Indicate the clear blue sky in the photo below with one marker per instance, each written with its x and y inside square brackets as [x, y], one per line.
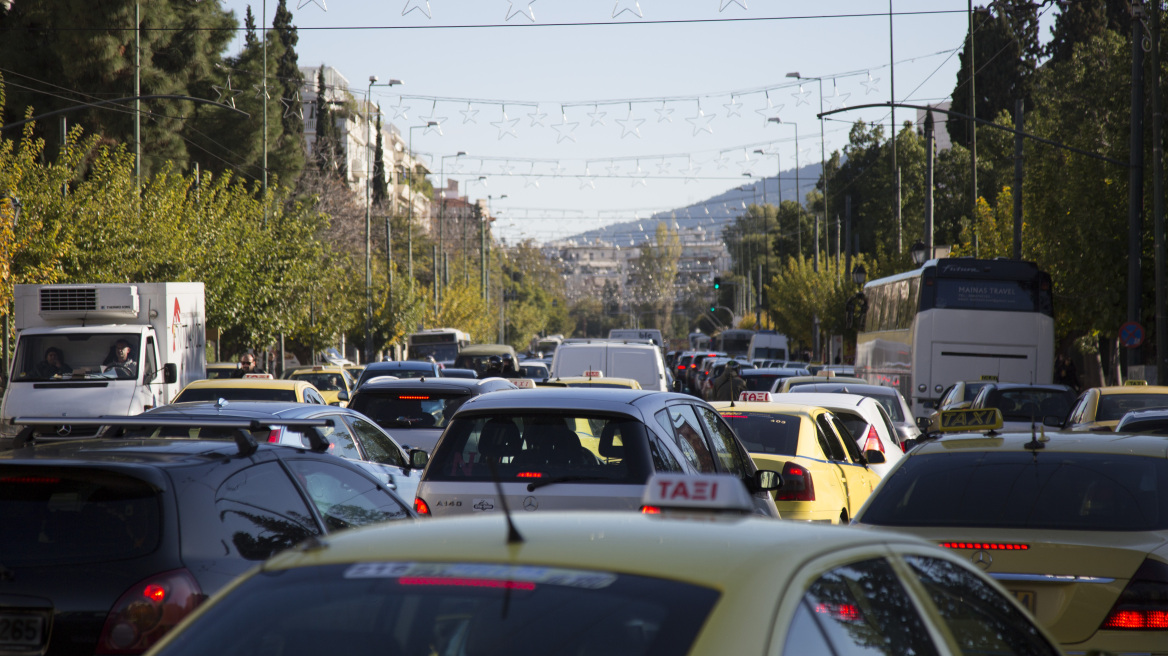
[684, 88]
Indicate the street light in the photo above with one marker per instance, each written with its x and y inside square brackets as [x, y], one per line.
[410, 220]
[859, 274]
[368, 211]
[798, 198]
[822, 156]
[919, 252]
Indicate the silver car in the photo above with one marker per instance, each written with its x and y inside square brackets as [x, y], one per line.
[889, 397]
[579, 448]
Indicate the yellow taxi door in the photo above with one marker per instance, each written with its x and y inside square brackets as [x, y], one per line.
[858, 480]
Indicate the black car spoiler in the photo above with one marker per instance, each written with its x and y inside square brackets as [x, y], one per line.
[240, 427]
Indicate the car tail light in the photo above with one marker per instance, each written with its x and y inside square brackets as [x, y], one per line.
[421, 507]
[797, 484]
[146, 611]
[872, 442]
[651, 510]
[275, 434]
[1143, 605]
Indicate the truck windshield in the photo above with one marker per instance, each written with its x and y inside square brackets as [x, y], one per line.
[63, 356]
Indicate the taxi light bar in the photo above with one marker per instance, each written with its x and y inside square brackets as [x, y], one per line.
[986, 546]
[757, 397]
[522, 383]
[651, 510]
[466, 583]
[722, 492]
[593, 373]
[969, 421]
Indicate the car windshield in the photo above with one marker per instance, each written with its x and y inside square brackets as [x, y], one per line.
[456, 609]
[764, 432]
[402, 372]
[1042, 490]
[75, 355]
[408, 409]
[1114, 406]
[531, 447]
[235, 394]
[324, 382]
[75, 516]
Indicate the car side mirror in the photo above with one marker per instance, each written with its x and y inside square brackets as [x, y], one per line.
[875, 457]
[342, 396]
[418, 459]
[923, 424]
[170, 373]
[767, 479]
[1054, 421]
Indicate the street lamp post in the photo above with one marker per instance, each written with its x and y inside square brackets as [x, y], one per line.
[14, 204]
[483, 248]
[410, 220]
[798, 198]
[766, 224]
[369, 155]
[822, 159]
[442, 203]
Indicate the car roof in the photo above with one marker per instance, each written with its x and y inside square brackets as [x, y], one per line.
[831, 386]
[1052, 387]
[487, 349]
[318, 368]
[246, 409]
[645, 545]
[1092, 442]
[825, 399]
[559, 398]
[804, 409]
[418, 365]
[157, 452]
[599, 380]
[1133, 389]
[470, 385]
[261, 383]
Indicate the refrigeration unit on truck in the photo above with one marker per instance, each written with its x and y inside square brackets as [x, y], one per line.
[72, 360]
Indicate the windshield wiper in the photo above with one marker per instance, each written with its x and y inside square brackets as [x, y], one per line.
[531, 487]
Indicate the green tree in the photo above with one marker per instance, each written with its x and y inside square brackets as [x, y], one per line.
[655, 275]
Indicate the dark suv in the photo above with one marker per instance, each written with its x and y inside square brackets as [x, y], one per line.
[107, 543]
[416, 411]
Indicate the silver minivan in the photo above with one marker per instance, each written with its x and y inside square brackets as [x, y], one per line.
[579, 449]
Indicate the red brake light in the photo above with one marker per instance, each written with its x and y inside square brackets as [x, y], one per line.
[145, 612]
[1137, 619]
[529, 475]
[797, 484]
[1143, 604]
[650, 510]
[415, 398]
[872, 442]
[842, 612]
[421, 507]
[31, 480]
[986, 546]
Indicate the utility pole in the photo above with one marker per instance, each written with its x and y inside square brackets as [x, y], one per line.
[1136, 173]
[1018, 179]
[1158, 203]
[929, 148]
[972, 134]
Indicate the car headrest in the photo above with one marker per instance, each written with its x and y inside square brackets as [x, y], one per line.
[612, 445]
[499, 439]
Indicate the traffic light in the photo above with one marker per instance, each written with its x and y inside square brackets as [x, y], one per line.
[717, 282]
[713, 308]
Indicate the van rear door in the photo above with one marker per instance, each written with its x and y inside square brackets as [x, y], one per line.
[643, 364]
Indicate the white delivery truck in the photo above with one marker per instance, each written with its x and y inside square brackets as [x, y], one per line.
[101, 349]
[622, 359]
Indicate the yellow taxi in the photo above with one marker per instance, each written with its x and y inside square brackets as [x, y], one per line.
[597, 379]
[688, 580]
[334, 383]
[354, 370]
[957, 396]
[1100, 408]
[252, 387]
[784, 385]
[825, 476]
[1075, 526]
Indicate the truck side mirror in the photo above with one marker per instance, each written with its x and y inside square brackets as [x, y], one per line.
[170, 373]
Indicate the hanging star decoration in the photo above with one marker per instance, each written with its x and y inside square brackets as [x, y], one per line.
[304, 3]
[565, 129]
[870, 84]
[420, 5]
[597, 116]
[701, 121]
[748, 162]
[691, 171]
[663, 114]
[227, 91]
[437, 120]
[506, 125]
[633, 7]
[613, 169]
[630, 125]
[293, 106]
[468, 114]
[530, 180]
[640, 177]
[586, 179]
[801, 97]
[399, 110]
[733, 108]
[558, 169]
[722, 162]
[663, 167]
[537, 117]
[767, 112]
[261, 92]
[513, 11]
[836, 100]
[726, 3]
[507, 168]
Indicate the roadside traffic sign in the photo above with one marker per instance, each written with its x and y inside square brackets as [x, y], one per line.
[1131, 334]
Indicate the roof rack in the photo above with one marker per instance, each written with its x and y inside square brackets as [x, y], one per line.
[241, 427]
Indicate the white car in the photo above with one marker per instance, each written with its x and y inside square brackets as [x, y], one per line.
[864, 416]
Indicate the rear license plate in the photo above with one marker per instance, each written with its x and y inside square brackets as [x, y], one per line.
[20, 631]
[1026, 598]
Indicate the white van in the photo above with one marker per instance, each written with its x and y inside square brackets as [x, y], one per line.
[651, 334]
[642, 362]
[767, 345]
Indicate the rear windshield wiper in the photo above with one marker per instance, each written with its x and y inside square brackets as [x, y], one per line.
[531, 487]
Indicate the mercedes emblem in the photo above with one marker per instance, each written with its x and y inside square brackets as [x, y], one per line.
[982, 559]
[64, 430]
[530, 504]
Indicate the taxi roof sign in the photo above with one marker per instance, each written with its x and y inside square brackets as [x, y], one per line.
[593, 373]
[686, 492]
[266, 376]
[990, 377]
[1134, 382]
[522, 383]
[983, 419]
[758, 397]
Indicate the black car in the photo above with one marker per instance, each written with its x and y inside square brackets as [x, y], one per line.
[108, 543]
[1022, 405]
[399, 369]
[762, 380]
[416, 411]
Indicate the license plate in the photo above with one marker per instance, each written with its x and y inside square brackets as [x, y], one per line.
[1026, 598]
[19, 630]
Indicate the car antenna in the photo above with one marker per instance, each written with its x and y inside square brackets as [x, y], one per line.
[513, 536]
[1036, 442]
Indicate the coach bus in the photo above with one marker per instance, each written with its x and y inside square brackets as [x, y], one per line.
[956, 319]
[441, 343]
[735, 342]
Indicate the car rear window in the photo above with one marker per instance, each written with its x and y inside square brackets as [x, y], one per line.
[324, 382]
[408, 409]
[235, 394]
[419, 609]
[764, 432]
[69, 515]
[1058, 491]
[542, 446]
[1114, 406]
[1030, 404]
[760, 382]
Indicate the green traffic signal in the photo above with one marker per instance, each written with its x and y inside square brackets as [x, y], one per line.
[717, 283]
